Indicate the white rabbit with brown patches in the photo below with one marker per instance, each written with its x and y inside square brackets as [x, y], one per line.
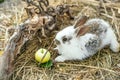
[84, 39]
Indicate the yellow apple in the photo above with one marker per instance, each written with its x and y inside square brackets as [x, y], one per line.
[1, 52]
[39, 55]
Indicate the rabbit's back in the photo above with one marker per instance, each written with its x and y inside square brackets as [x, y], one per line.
[97, 26]
[104, 32]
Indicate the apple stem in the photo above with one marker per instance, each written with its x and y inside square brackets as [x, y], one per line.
[42, 51]
[47, 51]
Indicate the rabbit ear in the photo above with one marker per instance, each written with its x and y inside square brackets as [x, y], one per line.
[80, 21]
[83, 30]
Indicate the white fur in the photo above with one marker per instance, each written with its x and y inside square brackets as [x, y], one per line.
[76, 49]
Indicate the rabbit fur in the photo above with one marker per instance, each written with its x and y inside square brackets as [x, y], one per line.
[76, 42]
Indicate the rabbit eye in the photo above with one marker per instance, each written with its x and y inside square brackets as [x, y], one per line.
[64, 39]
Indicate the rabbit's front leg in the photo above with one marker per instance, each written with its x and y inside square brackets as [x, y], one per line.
[60, 59]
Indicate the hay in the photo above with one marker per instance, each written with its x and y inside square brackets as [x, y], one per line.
[105, 65]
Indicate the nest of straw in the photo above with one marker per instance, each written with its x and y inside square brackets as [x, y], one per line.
[105, 65]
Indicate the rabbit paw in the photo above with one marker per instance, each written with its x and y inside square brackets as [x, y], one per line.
[60, 59]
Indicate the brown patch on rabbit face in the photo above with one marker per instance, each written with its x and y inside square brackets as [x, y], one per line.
[66, 39]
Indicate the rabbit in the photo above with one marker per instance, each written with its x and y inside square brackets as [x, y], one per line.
[84, 39]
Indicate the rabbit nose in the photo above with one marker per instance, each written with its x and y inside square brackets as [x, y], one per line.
[56, 48]
[57, 42]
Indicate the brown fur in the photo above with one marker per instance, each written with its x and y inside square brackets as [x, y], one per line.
[82, 20]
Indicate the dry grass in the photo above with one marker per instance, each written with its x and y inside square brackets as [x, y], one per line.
[105, 65]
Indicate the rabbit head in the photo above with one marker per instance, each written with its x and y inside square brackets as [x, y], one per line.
[65, 35]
